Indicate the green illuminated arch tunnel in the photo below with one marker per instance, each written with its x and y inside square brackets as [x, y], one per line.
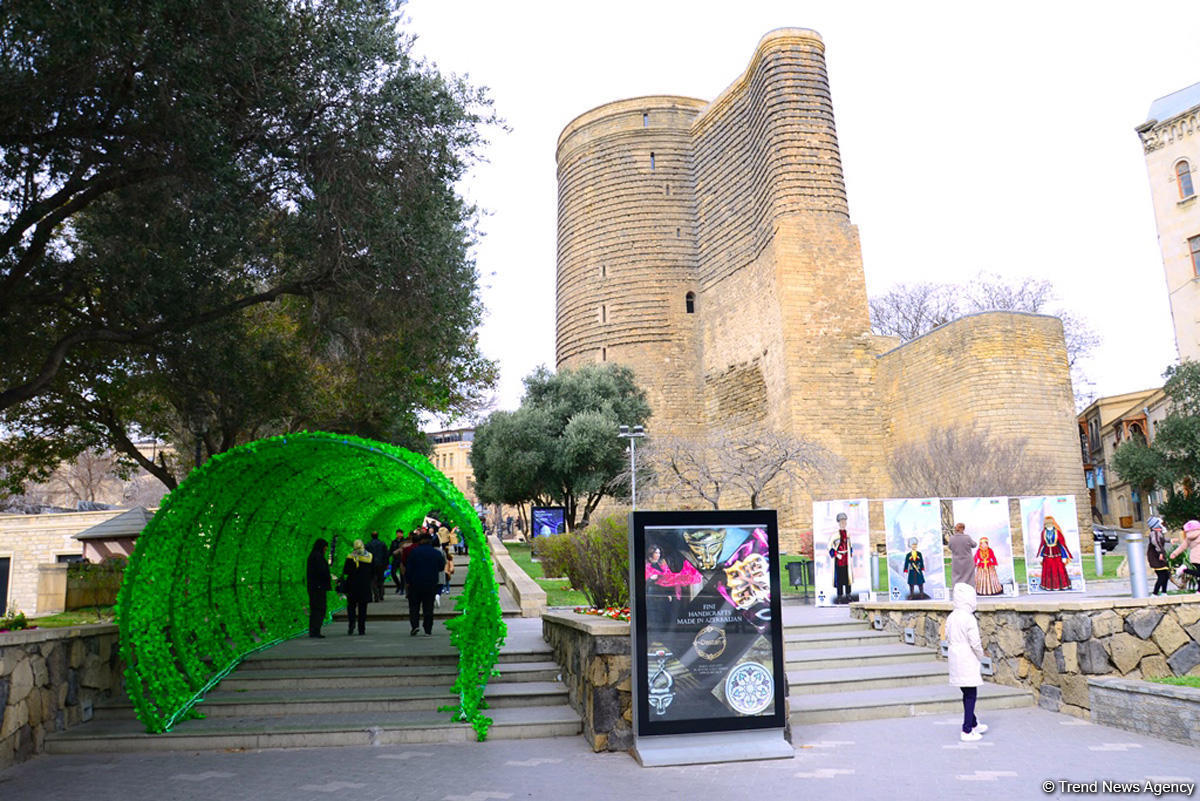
[220, 571]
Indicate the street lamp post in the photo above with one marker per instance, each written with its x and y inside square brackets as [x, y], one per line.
[633, 435]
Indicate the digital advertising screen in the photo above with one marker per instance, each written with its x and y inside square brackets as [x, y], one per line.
[547, 520]
[706, 625]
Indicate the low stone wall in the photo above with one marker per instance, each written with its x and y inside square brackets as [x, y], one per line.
[1157, 710]
[528, 594]
[49, 680]
[1053, 647]
[594, 655]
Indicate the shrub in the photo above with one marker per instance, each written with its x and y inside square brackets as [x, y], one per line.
[15, 621]
[595, 559]
[551, 553]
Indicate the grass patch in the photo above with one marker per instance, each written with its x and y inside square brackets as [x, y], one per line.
[1181, 681]
[558, 590]
[76, 617]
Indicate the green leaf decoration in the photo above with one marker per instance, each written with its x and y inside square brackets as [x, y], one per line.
[219, 573]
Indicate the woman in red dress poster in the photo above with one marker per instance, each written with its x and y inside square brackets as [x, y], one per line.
[1054, 555]
[986, 580]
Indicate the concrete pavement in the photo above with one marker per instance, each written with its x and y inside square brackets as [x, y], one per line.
[897, 758]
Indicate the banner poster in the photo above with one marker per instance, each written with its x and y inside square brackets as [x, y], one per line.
[1051, 533]
[915, 565]
[547, 520]
[986, 521]
[706, 622]
[841, 547]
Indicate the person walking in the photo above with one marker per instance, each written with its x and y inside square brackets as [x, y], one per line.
[966, 657]
[394, 552]
[379, 561]
[423, 565]
[359, 574]
[962, 558]
[319, 584]
[1191, 544]
[1156, 554]
[449, 569]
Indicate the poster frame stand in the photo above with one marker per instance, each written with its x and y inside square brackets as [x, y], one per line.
[710, 740]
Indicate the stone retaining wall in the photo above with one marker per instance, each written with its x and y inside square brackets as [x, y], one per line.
[1156, 710]
[49, 680]
[527, 593]
[1052, 648]
[594, 655]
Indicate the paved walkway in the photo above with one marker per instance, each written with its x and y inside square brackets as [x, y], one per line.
[918, 758]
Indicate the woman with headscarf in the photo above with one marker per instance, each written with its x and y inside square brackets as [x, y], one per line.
[360, 576]
[1054, 555]
[318, 586]
[1156, 553]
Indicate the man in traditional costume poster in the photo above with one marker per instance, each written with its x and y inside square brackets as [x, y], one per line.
[841, 551]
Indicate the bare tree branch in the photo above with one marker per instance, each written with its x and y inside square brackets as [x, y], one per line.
[961, 462]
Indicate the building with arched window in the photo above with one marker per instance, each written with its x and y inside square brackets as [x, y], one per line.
[1171, 140]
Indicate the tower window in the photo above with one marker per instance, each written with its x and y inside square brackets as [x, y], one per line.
[1194, 250]
[676, 233]
[604, 354]
[603, 271]
[603, 313]
[689, 301]
[1183, 172]
[645, 120]
[652, 161]
[668, 188]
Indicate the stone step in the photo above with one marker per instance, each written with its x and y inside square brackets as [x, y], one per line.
[852, 678]
[898, 702]
[821, 627]
[838, 639]
[304, 679]
[277, 659]
[312, 731]
[819, 658]
[383, 700]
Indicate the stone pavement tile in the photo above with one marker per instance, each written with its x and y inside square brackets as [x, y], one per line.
[901, 758]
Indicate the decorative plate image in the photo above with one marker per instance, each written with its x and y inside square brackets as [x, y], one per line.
[749, 688]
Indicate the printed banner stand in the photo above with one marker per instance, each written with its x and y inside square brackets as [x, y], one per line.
[707, 638]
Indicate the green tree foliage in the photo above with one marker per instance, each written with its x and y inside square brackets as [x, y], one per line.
[1172, 461]
[561, 445]
[167, 167]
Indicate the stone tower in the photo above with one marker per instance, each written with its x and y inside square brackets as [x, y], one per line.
[709, 247]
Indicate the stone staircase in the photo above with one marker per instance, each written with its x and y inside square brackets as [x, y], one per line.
[381, 688]
[840, 669]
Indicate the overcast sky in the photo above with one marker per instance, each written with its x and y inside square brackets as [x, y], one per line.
[974, 136]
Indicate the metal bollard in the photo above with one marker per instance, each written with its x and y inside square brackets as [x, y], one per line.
[1098, 551]
[874, 571]
[1135, 554]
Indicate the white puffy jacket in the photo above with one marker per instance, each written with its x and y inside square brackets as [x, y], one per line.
[962, 633]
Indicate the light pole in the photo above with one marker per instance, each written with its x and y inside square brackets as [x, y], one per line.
[633, 435]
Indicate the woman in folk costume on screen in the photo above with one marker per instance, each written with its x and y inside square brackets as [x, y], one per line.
[986, 580]
[1054, 555]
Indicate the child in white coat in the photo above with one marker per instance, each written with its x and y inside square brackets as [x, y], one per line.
[966, 654]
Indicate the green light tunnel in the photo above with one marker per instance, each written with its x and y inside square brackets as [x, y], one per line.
[219, 573]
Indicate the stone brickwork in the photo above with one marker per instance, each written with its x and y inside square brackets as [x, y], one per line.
[49, 680]
[32, 540]
[1156, 710]
[595, 659]
[1053, 648]
[741, 204]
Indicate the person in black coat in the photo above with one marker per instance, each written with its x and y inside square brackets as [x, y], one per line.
[423, 565]
[318, 585]
[359, 574]
[379, 561]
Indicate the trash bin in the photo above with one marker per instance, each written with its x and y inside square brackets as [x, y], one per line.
[796, 573]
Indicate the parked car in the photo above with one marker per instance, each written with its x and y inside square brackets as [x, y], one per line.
[1106, 538]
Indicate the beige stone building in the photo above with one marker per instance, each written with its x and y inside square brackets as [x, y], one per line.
[1171, 140]
[452, 455]
[708, 245]
[1103, 425]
